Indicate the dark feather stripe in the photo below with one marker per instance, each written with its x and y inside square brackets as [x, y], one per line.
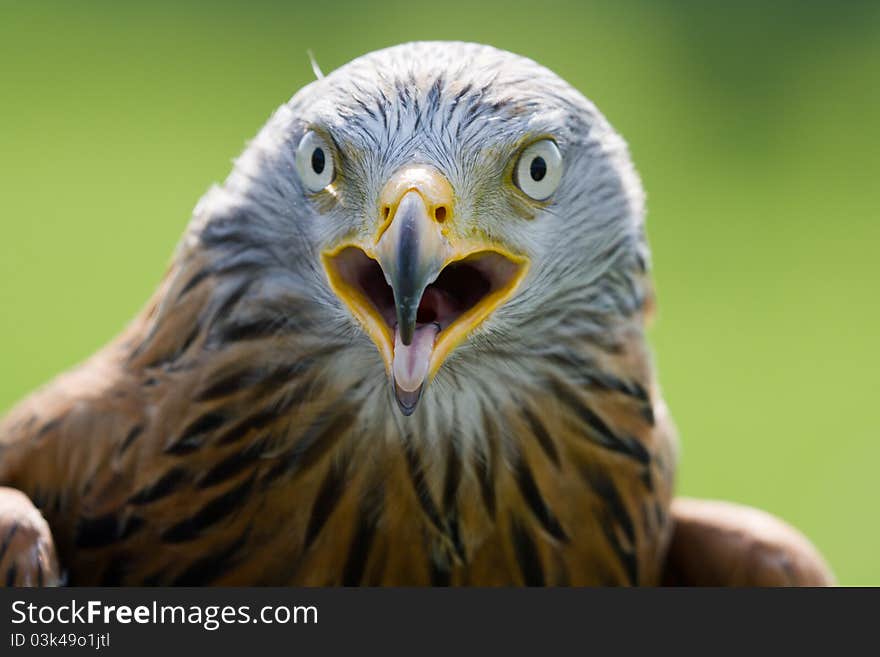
[208, 569]
[450, 499]
[593, 378]
[614, 515]
[647, 412]
[210, 514]
[257, 328]
[189, 341]
[49, 426]
[245, 260]
[525, 481]
[233, 383]
[254, 377]
[168, 359]
[439, 571]
[104, 530]
[599, 433]
[485, 466]
[420, 486]
[132, 435]
[647, 478]
[599, 481]
[609, 382]
[526, 554]
[194, 280]
[661, 517]
[633, 389]
[318, 439]
[440, 559]
[232, 229]
[235, 463]
[452, 479]
[627, 558]
[327, 499]
[358, 553]
[168, 483]
[540, 432]
[362, 541]
[7, 539]
[195, 434]
[433, 99]
[305, 388]
[255, 422]
[234, 297]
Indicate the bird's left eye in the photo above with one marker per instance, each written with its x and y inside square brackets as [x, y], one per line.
[539, 169]
[314, 162]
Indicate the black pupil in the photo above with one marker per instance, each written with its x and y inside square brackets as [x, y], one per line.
[538, 169]
[318, 160]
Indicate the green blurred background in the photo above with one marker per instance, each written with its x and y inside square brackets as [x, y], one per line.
[755, 126]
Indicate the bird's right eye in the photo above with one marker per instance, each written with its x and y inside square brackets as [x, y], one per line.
[314, 162]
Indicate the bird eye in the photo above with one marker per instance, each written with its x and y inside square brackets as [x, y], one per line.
[539, 169]
[314, 162]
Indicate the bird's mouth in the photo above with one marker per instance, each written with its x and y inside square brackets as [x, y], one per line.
[454, 301]
[423, 281]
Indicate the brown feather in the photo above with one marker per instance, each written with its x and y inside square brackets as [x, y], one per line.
[141, 484]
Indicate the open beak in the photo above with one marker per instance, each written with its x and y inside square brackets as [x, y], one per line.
[417, 287]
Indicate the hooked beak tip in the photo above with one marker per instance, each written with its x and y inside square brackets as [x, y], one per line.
[407, 401]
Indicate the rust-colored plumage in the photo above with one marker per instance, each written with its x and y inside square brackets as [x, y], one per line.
[216, 483]
[242, 430]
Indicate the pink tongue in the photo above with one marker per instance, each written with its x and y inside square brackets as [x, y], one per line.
[410, 366]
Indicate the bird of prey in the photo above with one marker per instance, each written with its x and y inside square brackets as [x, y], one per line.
[402, 344]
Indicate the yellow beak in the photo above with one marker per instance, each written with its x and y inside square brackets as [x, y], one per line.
[418, 287]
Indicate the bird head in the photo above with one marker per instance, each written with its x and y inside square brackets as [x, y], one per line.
[455, 215]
